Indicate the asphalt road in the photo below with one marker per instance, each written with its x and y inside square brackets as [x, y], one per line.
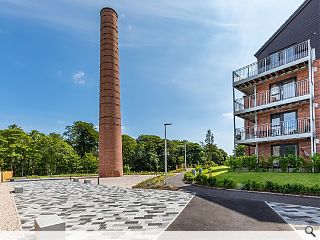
[225, 210]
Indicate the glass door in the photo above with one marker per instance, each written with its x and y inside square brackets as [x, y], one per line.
[289, 123]
[274, 93]
[288, 89]
[275, 125]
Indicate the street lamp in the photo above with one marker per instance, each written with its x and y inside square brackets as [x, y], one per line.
[185, 155]
[165, 151]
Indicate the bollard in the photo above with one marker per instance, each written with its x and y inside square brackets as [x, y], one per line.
[18, 189]
[98, 180]
[87, 181]
[200, 171]
[194, 172]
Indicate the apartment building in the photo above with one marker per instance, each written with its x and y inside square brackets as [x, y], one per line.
[280, 92]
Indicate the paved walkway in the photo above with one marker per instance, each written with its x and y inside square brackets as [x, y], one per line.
[126, 181]
[224, 210]
[9, 220]
[298, 216]
[98, 207]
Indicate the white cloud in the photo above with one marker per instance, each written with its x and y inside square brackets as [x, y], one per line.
[228, 115]
[79, 77]
[61, 122]
[130, 28]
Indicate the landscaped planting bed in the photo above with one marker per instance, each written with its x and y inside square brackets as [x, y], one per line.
[287, 183]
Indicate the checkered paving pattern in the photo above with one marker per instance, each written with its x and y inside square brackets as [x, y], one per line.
[298, 216]
[88, 207]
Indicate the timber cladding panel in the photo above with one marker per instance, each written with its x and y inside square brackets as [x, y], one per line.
[304, 24]
[110, 140]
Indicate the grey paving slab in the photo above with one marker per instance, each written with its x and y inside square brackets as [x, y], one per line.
[298, 216]
[89, 207]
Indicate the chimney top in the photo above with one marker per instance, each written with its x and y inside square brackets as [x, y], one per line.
[108, 8]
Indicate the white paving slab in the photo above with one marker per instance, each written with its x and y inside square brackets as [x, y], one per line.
[92, 207]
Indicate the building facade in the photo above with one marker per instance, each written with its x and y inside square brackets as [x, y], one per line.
[280, 92]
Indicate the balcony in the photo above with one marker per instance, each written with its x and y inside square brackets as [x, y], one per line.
[286, 130]
[292, 92]
[277, 61]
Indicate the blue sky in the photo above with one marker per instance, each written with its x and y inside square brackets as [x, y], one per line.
[176, 59]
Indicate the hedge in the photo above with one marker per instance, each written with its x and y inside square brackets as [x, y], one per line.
[295, 188]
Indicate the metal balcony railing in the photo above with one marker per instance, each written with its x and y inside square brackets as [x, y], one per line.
[297, 126]
[273, 61]
[275, 94]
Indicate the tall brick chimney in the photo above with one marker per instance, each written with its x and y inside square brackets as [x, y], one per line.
[110, 140]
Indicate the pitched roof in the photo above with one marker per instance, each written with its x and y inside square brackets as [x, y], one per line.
[303, 5]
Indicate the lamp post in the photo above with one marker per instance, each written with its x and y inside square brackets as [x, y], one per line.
[185, 155]
[165, 151]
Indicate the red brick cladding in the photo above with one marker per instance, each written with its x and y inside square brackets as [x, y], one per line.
[302, 109]
[110, 142]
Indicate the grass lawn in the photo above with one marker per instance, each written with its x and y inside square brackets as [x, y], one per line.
[307, 179]
[215, 171]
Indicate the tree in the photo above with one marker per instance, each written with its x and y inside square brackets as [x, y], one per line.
[213, 153]
[14, 148]
[195, 154]
[89, 163]
[146, 157]
[129, 146]
[239, 151]
[83, 137]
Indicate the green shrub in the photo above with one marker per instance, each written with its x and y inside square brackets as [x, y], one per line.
[227, 183]
[212, 181]
[263, 164]
[316, 162]
[295, 161]
[314, 190]
[284, 163]
[201, 179]
[253, 186]
[188, 177]
[271, 186]
[232, 163]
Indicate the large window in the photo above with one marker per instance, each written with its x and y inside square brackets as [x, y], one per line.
[283, 90]
[284, 150]
[284, 123]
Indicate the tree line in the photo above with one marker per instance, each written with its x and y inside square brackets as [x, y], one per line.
[76, 151]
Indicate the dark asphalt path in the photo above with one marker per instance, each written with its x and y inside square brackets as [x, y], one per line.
[224, 210]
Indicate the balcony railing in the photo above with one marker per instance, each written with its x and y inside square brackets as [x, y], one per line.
[273, 61]
[275, 94]
[297, 126]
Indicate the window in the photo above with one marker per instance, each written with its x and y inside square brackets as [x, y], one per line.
[283, 90]
[284, 123]
[284, 150]
[276, 151]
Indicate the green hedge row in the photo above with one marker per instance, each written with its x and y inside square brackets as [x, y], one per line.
[269, 163]
[250, 185]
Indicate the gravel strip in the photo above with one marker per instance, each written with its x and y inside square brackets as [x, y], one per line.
[9, 220]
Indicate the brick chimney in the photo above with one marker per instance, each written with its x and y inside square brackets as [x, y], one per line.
[110, 140]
